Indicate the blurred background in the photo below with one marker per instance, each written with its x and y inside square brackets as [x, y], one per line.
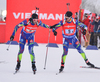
[2, 10]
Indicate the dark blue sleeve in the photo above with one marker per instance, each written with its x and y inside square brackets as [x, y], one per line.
[58, 25]
[18, 26]
[43, 25]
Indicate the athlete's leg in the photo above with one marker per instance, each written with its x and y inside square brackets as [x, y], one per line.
[21, 49]
[30, 48]
[77, 45]
[65, 52]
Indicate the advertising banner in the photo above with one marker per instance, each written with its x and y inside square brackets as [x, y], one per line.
[50, 12]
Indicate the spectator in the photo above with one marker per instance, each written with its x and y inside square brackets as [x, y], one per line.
[86, 21]
[91, 31]
[96, 23]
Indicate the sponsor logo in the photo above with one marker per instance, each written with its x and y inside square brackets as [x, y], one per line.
[30, 30]
[32, 27]
[70, 26]
[44, 16]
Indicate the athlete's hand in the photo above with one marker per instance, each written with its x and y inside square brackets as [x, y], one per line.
[51, 27]
[30, 19]
[55, 33]
[11, 38]
[84, 32]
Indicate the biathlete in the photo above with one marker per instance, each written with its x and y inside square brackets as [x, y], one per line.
[30, 26]
[69, 34]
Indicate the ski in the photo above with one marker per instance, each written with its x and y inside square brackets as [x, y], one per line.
[15, 72]
[59, 72]
[34, 72]
[90, 67]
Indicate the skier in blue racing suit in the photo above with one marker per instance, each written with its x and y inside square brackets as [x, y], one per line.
[69, 34]
[30, 25]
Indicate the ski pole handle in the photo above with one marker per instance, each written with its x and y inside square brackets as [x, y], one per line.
[36, 9]
[68, 4]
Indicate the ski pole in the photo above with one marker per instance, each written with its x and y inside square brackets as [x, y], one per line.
[68, 4]
[9, 45]
[47, 49]
[36, 9]
[55, 38]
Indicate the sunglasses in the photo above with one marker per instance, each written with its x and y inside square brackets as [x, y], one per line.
[67, 17]
[97, 19]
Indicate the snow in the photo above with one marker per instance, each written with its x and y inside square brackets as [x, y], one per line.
[72, 71]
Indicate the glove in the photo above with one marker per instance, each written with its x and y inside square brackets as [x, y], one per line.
[30, 20]
[84, 32]
[51, 27]
[11, 38]
[55, 33]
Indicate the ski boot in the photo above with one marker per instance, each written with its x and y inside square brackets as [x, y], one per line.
[89, 64]
[17, 66]
[61, 68]
[34, 67]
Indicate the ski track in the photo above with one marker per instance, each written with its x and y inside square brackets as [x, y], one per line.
[72, 71]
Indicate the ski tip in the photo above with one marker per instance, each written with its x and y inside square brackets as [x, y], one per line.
[34, 72]
[90, 67]
[80, 66]
[15, 72]
[57, 73]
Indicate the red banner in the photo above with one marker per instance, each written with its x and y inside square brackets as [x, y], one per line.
[2, 31]
[50, 12]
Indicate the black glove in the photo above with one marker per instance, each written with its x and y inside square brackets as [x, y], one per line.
[30, 20]
[55, 33]
[51, 27]
[84, 32]
[11, 38]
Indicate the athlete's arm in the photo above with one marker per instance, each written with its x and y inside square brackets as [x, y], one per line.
[18, 26]
[42, 24]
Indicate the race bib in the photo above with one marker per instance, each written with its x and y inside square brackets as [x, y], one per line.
[69, 31]
[30, 30]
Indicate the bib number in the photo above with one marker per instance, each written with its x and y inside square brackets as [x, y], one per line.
[30, 31]
[69, 31]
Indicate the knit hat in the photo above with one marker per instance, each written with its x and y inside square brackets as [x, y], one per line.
[34, 16]
[69, 14]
